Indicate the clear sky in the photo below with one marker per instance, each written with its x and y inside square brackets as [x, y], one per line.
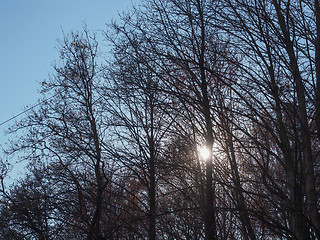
[29, 33]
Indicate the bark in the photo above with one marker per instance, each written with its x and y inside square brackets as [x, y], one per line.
[317, 65]
[210, 224]
[152, 179]
[210, 214]
[94, 230]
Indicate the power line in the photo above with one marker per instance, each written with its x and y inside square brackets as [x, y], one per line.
[28, 109]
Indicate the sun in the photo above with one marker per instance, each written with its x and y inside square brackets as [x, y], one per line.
[204, 153]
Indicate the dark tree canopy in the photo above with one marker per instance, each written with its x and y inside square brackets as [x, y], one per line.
[115, 147]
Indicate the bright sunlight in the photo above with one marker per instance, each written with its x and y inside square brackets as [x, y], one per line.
[204, 153]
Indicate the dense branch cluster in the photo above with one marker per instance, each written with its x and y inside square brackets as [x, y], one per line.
[114, 150]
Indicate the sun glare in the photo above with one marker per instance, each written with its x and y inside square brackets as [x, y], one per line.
[204, 153]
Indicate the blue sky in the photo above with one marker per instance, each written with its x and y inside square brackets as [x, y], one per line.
[29, 33]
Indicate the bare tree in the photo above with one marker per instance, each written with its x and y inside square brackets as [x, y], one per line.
[278, 64]
[66, 131]
[139, 127]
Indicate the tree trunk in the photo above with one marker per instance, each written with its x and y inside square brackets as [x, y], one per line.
[248, 232]
[307, 158]
[152, 178]
[317, 65]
